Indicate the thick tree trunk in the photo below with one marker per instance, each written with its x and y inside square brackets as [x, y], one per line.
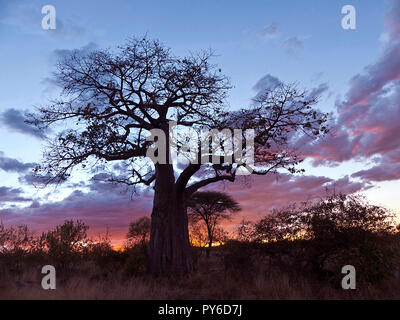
[169, 250]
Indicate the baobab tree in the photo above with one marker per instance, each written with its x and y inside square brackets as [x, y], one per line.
[211, 207]
[111, 101]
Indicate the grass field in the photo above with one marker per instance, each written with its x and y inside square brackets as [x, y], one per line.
[210, 281]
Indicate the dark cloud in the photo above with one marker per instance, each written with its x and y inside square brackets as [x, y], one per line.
[60, 54]
[13, 165]
[33, 179]
[14, 120]
[320, 90]
[12, 195]
[57, 55]
[268, 82]
[379, 173]
[270, 32]
[68, 29]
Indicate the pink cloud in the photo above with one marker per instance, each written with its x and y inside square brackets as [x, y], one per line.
[368, 119]
[379, 173]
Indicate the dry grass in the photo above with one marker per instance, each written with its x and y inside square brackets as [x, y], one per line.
[210, 281]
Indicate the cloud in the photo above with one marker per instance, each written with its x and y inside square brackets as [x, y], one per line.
[60, 54]
[13, 165]
[57, 55]
[368, 119]
[14, 120]
[259, 195]
[268, 82]
[320, 90]
[292, 45]
[12, 195]
[387, 69]
[270, 32]
[379, 173]
[33, 179]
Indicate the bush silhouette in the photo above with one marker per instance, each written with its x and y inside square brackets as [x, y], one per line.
[139, 231]
[340, 230]
[65, 243]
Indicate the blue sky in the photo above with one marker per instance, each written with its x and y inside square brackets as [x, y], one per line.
[294, 41]
[231, 28]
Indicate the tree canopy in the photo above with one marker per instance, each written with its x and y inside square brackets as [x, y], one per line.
[111, 100]
[211, 207]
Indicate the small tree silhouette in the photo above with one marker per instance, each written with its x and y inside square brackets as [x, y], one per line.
[211, 207]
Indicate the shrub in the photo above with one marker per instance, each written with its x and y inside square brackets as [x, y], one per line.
[238, 259]
[136, 260]
[372, 256]
[16, 244]
[139, 231]
[65, 243]
[103, 255]
[340, 230]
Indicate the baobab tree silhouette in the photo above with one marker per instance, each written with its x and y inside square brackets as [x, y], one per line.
[111, 100]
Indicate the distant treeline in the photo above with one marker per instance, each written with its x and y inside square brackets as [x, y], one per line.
[315, 238]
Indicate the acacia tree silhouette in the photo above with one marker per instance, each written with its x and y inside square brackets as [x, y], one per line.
[211, 207]
[111, 100]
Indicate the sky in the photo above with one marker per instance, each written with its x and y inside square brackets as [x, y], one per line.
[356, 73]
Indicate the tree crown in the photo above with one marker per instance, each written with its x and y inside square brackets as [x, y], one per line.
[111, 100]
